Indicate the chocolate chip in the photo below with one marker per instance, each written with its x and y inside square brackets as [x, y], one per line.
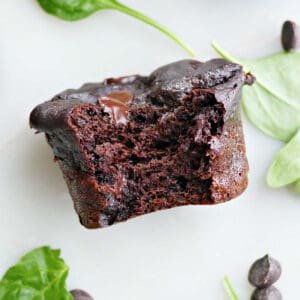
[264, 272]
[81, 295]
[290, 36]
[269, 293]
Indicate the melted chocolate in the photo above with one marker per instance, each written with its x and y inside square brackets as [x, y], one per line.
[121, 80]
[123, 96]
[116, 105]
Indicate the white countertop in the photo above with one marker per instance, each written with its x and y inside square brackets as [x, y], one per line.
[176, 254]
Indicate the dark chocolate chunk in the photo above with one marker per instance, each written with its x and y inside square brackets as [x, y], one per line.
[81, 295]
[134, 145]
[268, 293]
[264, 272]
[290, 36]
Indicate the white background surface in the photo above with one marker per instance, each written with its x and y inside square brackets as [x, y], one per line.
[177, 254]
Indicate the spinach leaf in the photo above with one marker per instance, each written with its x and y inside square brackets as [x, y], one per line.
[73, 10]
[229, 289]
[39, 275]
[285, 168]
[296, 187]
[273, 103]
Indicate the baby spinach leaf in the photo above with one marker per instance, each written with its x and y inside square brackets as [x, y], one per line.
[73, 10]
[285, 168]
[39, 275]
[229, 289]
[296, 187]
[273, 103]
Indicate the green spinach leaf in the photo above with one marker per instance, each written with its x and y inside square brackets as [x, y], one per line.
[73, 10]
[39, 275]
[285, 168]
[296, 187]
[229, 289]
[273, 103]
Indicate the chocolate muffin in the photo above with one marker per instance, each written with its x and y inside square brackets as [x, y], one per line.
[137, 144]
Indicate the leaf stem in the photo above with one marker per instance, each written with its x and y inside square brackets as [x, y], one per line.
[129, 11]
[225, 54]
[229, 289]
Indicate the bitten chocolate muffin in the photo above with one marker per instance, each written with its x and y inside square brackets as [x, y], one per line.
[133, 145]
